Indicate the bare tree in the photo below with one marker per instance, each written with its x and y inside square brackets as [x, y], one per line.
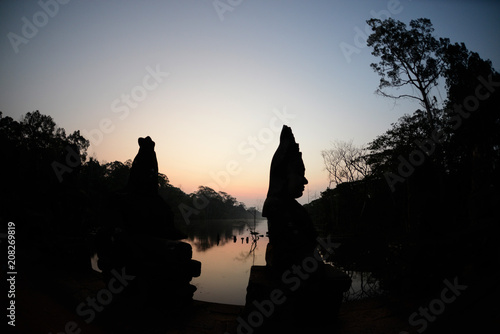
[345, 162]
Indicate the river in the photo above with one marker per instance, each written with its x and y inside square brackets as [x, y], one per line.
[227, 251]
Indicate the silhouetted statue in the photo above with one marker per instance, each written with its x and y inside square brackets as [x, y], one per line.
[312, 290]
[144, 208]
[144, 173]
[142, 241]
[291, 232]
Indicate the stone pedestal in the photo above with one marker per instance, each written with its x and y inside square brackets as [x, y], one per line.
[294, 300]
[160, 271]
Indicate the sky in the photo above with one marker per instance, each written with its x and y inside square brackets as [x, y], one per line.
[212, 82]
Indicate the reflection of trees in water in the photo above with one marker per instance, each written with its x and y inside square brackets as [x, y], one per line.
[364, 285]
[205, 234]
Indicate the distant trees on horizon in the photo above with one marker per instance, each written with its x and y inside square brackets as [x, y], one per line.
[426, 173]
[50, 185]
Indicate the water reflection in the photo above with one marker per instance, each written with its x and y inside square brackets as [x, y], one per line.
[364, 285]
[205, 234]
[227, 249]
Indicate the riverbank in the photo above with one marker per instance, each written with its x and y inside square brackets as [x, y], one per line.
[48, 293]
[48, 310]
[40, 312]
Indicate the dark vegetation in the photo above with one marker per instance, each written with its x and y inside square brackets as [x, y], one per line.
[49, 186]
[420, 202]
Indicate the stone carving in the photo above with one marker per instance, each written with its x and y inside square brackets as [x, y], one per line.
[144, 173]
[143, 242]
[291, 232]
[296, 291]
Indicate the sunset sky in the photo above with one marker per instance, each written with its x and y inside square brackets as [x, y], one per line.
[212, 82]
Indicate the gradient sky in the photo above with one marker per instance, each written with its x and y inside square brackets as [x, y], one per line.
[224, 78]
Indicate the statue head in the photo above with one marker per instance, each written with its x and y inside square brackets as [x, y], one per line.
[287, 176]
[146, 143]
[143, 176]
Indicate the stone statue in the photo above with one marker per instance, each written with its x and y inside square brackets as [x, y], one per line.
[310, 290]
[143, 177]
[291, 232]
[143, 207]
[143, 241]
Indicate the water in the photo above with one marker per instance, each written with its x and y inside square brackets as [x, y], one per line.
[226, 260]
[363, 285]
[227, 250]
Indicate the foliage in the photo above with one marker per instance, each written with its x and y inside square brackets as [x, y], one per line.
[219, 205]
[475, 141]
[408, 57]
[443, 187]
[401, 139]
[72, 202]
[29, 185]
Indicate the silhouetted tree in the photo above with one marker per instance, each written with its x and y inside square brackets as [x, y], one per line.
[39, 131]
[400, 140]
[345, 162]
[218, 205]
[472, 109]
[31, 186]
[408, 57]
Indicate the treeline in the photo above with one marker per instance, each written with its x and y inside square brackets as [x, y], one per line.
[433, 172]
[204, 203]
[50, 186]
[419, 203]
